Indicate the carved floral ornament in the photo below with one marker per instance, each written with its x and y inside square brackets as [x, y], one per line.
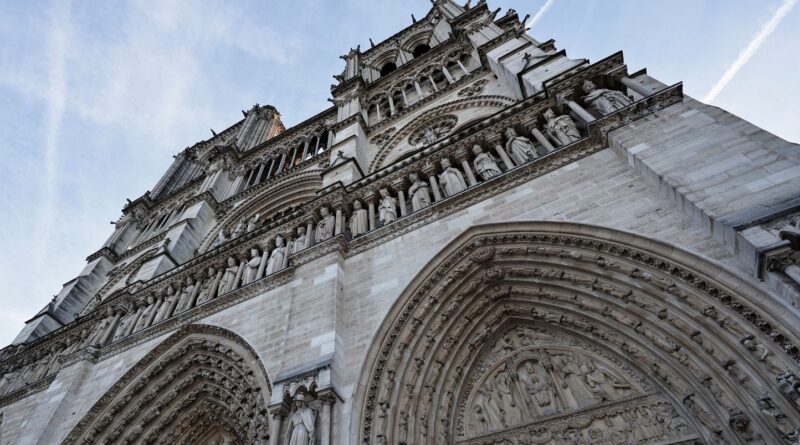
[563, 333]
[198, 382]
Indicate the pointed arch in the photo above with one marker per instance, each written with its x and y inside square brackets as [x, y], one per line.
[551, 332]
[200, 383]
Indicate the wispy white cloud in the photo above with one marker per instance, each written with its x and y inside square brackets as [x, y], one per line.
[752, 47]
[57, 47]
[540, 13]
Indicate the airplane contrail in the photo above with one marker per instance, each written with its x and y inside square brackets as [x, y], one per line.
[542, 10]
[750, 49]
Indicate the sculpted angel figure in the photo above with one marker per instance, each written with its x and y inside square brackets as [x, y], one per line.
[603, 101]
[240, 228]
[252, 223]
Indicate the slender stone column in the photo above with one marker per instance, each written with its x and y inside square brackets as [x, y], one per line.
[111, 328]
[391, 105]
[325, 422]
[305, 150]
[134, 320]
[339, 221]
[285, 261]
[260, 174]
[405, 99]
[636, 86]
[275, 434]
[262, 265]
[238, 278]
[418, 88]
[435, 88]
[462, 67]
[461, 156]
[282, 163]
[309, 232]
[585, 116]
[371, 210]
[430, 171]
[504, 157]
[154, 312]
[448, 75]
[542, 140]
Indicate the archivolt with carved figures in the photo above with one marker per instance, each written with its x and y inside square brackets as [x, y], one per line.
[201, 385]
[555, 333]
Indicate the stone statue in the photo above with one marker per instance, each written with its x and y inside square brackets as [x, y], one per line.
[252, 223]
[222, 237]
[185, 300]
[519, 148]
[451, 178]
[122, 327]
[207, 291]
[507, 401]
[300, 241]
[561, 128]
[484, 164]
[572, 379]
[603, 101]
[359, 221]
[148, 309]
[240, 228]
[387, 210]
[251, 268]
[275, 262]
[301, 423]
[420, 193]
[325, 225]
[169, 298]
[228, 276]
[539, 391]
[430, 137]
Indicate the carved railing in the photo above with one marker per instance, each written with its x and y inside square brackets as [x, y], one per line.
[266, 257]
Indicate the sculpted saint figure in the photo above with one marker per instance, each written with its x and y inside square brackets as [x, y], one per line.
[561, 128]
[420, 193]
[300, 241]
[122, 328]
[430, 137]
[603, 101]
[148, 309]
[164, 310]
[228, 276]
[251, 269]
[185, 300]
[252, 223]
[519, 148]
[387, 210]
[571, 378]
[276, 257]
[451, 178]
[539, 391]
[484, 164]
[222, 237]
[207, 290]
[325, 225]
[240, 228]
[359, 221]
[301, 423]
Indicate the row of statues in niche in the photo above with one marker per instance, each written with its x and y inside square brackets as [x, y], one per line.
[191, 292]
[451, 180]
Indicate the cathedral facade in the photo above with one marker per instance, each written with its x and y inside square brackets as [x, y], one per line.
[483, 241]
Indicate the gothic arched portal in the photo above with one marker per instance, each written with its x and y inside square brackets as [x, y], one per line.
[555, 333]
[201, 386]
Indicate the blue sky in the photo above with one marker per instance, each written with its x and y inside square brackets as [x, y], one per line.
[96, 97]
